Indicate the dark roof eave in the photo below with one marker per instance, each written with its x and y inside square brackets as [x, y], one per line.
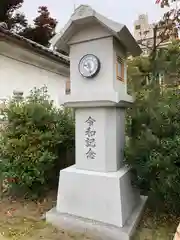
[35, 47]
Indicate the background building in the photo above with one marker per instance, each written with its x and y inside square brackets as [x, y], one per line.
[144, 34]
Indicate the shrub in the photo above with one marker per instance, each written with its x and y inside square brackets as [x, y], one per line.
[35, 134]
[153, 146]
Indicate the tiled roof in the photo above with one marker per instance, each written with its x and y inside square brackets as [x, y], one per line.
[31, 45]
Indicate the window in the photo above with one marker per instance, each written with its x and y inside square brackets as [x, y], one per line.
[137, 27]
[119, 69]
[149, 42]
[146, 32]
[68, 87]
[142, 17]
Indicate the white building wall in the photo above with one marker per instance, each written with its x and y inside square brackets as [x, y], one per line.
[19, 76]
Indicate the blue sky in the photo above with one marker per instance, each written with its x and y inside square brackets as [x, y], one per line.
[123, 11]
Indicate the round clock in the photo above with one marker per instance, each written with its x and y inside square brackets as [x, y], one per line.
[89, 66]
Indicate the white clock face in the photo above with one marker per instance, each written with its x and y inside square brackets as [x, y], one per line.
[89, 66]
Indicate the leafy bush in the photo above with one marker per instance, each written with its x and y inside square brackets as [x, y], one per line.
[35, 135]
[153, 146]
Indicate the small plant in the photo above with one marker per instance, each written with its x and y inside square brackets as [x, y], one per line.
[35, 134]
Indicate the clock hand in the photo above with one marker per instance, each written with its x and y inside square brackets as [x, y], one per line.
[88, 67]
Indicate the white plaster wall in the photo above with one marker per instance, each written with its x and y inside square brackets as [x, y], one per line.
[16, 75]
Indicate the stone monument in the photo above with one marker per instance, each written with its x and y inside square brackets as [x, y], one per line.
[96, 193]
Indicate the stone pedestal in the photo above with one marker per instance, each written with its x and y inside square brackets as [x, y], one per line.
[104, 205]
[97, 230]
[103, 197]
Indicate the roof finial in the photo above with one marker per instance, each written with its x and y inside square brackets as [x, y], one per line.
[74, 5]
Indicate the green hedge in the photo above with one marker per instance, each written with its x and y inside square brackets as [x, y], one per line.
[153, 148]
[36, 135]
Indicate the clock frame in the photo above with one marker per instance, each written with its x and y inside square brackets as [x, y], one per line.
[96, 70]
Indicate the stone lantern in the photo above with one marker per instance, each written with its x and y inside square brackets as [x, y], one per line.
[97, 189]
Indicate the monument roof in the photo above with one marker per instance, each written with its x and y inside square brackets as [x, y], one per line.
[84, 14]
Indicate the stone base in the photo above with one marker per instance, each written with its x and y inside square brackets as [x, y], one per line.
[104, 197]
[97, 229]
